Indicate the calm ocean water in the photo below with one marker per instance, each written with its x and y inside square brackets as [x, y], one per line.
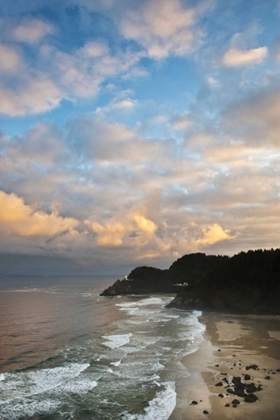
[68, 353]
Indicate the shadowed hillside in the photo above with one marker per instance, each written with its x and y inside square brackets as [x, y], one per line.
[188, 269]
[246, 283]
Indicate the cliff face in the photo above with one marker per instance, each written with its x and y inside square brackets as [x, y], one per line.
[188, 269]
[246, 283]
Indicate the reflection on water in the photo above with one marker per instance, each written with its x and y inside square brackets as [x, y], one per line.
[68, 353]
[36, 321]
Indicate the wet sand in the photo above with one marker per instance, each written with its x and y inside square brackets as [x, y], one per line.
[231, 343]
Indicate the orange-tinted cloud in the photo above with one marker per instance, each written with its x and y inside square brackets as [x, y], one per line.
[133, 227]
[19, 219]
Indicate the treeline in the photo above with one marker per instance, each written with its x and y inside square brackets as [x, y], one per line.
[249, 282]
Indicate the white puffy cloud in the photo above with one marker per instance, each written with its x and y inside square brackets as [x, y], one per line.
[42, 144]
[235, 57]
[32, 96]
[182, 122]
[10, 60]
[133, 228]
[58, 75]
[162, 27]
[31, 31]
[212, 234]
[116, 143]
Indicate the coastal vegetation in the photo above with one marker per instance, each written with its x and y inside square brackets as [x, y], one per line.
[248, 282]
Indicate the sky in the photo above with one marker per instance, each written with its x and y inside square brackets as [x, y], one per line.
[134, 132]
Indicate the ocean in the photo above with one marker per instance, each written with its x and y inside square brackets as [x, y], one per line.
[68, 353]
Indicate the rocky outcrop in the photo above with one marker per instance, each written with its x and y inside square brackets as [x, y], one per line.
[246, 283]
[118, 288]
[188, 269]
[142, 280]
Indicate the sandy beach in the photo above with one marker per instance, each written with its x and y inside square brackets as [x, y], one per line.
[232, 344]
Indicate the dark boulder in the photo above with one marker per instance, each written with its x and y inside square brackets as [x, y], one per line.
[254, 367]
[250, 398]
[251, 388]
[235, 402]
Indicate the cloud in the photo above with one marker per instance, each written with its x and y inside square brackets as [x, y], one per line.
[182, 122]
[17, 218]
[132, 228]
[235, 57]
[116, 143]
[10, 60]
[276, 52]
[125, 104]
[42, 144]
[56, 75]
[32, 31]
[118, 104]
[212, 234]
[162, 27]
[256, 118]
[94, 49]
[32, 96]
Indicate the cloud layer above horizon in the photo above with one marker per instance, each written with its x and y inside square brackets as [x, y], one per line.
[136, 132]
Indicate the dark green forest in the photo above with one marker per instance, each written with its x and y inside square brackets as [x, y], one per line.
[248, 282]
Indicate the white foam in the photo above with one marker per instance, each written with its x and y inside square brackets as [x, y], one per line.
[155, 319]
[172, 316]
[157, 366]
[116, 341]
[130, 310]
[54, 381]
[48, 379]
[78, 387]
[18, 409]
[2, 377]
[116, 363]
[161, 407]
[126, 304]
[150, 301]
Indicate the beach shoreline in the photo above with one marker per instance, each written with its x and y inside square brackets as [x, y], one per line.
[232, 343]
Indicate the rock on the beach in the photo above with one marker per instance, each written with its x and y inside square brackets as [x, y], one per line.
[250, 398]
[267, 378]
[250, 388]
[235, 402]
[205, 412]
[254, 367]
[194, 403]
[219, 384]
[221, 395]
[247, 377]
